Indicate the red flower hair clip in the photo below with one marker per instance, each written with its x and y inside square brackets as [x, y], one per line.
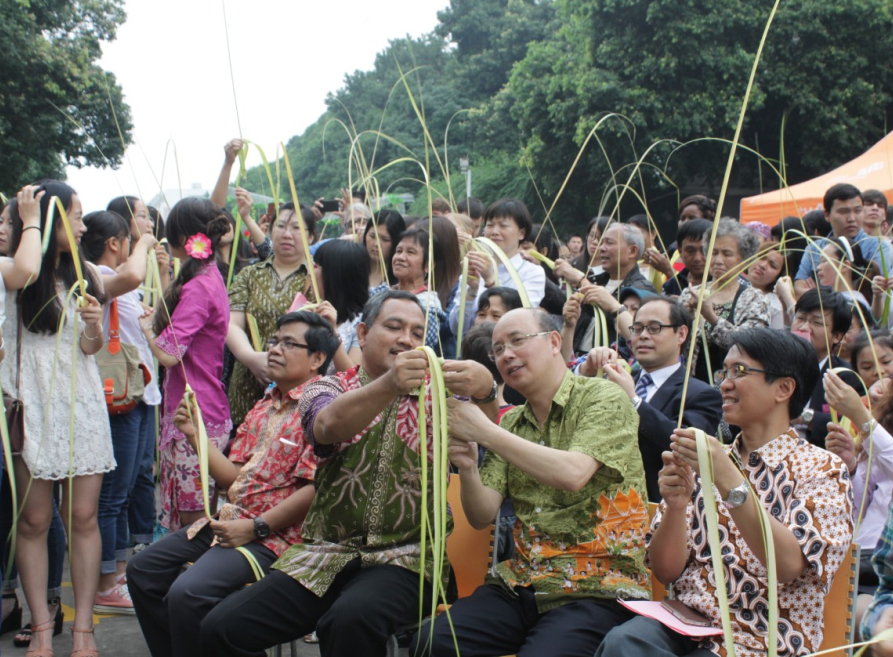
[199, 246]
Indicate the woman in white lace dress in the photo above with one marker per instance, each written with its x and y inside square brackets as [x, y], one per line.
[52, 365]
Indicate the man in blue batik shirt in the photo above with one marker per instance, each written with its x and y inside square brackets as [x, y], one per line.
[843, 208]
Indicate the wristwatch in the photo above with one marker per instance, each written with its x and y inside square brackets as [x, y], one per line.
[864, 431]
[636, 400]
[807, 415]
[261, 528]
[489, 398]
[737, 496]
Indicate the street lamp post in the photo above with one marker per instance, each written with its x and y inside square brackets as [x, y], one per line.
[466, 171]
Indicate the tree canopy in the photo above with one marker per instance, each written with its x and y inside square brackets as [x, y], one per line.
[56, 108]
[535, 77]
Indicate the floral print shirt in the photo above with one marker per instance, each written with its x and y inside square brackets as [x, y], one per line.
[277, 463]
[751, 311]
[368, 490]
[259, 291]
[588, 543]
[808, 490]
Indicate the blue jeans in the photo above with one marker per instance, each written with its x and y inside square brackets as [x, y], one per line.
[127, 431]
[56, 542]
[142, 497]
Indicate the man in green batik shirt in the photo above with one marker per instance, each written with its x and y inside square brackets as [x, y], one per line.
[569, 460]
[355, 578]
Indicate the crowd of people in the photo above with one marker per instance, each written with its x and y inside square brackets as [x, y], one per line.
[579, 370]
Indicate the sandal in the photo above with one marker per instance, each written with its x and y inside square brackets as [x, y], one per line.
[82, 652]
[23, 638]
[13, 620]
[41, 652]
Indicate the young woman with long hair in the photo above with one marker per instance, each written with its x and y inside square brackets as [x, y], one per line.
[107, 244]
[186, 335]
[56, 445]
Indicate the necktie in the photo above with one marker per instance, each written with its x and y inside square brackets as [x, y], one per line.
[642, 385]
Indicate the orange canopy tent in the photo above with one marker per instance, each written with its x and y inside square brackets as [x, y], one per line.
[871, 170]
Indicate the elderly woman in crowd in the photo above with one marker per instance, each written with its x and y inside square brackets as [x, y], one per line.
[732, 303]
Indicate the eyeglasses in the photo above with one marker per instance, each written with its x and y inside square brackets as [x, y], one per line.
[287, 345]
[735, 372]
[514, 344]
[653, 328]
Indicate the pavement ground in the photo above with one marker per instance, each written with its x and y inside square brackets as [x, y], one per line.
[116, 636]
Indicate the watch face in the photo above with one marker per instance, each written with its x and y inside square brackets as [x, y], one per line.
[261, 529]
[737, 497]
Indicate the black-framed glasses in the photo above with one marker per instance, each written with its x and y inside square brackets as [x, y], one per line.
[732, 373]
[514, 344]
[287, 345]
[653, 328]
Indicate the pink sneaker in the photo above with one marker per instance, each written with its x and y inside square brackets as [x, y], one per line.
[116, 602]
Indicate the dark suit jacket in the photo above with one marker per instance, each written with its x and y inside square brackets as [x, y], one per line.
[819, 431]
[658, 419]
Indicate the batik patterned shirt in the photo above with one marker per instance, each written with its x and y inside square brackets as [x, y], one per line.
[277, 463]
[259, 291]
[368, 490]
[808, 490]
[589, 543]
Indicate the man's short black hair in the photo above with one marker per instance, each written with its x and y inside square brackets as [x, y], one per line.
[782, 354]
[839, 192]
[509, 295]
[641, 221]
[874, 196]
[817, 223]
[825, 301]
[693, 230]
[471, 206]
[320, 336]
[477, 346]
[373, 307]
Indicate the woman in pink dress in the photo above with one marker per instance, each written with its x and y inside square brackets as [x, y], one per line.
[186, 335]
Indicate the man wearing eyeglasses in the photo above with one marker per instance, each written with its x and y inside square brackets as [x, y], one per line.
[356, 575]
[269, 480]
[822, 317]
[766, 378]
[568, 459]
[659, 336]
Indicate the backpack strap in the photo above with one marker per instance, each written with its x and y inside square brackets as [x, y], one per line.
[114, 343]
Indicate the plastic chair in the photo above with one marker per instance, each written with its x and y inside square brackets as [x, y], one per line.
[838, 623]
[658, 590]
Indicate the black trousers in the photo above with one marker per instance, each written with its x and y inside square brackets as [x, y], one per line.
[170, 604]
[494, 621]
[645, 637]
[357, 614]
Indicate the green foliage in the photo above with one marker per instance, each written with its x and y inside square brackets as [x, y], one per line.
[536, 76]
[678, 69]
[55, 108]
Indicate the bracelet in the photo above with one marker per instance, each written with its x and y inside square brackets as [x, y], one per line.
[95, 337]
[37, 228]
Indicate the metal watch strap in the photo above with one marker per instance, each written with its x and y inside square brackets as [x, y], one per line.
[738, 495]
[494, 391]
